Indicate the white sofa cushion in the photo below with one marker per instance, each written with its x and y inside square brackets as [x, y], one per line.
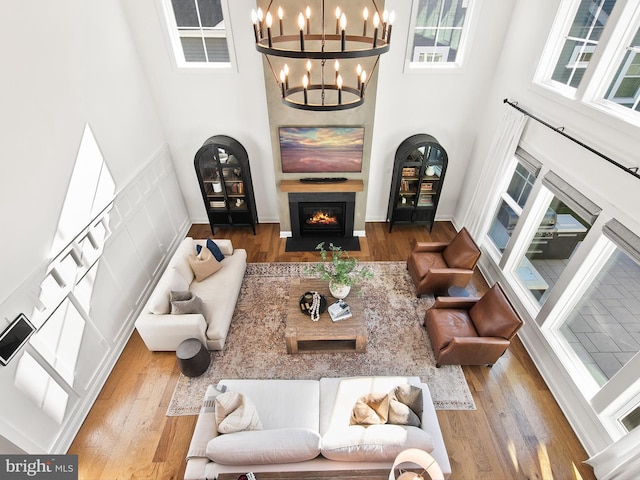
[373, 443]
[159, 302]
[282, 445]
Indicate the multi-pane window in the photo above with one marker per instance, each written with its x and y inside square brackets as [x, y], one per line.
[510, 207]
[439, 31]
[625, 87]
[581, 41]
[201, 32]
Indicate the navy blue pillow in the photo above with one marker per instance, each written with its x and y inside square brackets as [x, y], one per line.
[215, 249]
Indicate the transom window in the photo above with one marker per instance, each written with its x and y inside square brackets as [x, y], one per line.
[439, 32]
[198, 32]
[625, 87]
[581, 41]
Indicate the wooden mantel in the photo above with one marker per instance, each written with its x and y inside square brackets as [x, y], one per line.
[303, 187]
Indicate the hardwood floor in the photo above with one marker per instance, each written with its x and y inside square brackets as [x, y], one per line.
[517, 432]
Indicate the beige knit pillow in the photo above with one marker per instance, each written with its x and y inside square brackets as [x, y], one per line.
[204, 265]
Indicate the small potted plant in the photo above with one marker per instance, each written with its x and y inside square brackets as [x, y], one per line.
[342, 271]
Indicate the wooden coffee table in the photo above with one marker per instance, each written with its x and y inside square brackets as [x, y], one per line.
[302, 335]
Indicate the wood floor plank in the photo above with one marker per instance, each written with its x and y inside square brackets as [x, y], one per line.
[517, 432]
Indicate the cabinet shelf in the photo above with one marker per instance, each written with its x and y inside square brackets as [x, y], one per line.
[223, 162]
[421, 192]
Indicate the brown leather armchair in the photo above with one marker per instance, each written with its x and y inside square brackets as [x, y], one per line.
[472, 331]
[436, 266]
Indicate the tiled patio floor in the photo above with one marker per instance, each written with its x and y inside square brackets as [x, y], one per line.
[604, 329]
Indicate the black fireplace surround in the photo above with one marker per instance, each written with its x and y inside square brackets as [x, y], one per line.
[322, 217]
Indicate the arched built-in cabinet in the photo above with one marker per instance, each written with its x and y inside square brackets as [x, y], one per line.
[418, 172]
[222, 167]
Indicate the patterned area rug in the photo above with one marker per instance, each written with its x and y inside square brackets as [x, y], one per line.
[398, 343]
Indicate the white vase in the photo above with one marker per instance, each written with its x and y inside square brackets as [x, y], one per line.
[339, 291]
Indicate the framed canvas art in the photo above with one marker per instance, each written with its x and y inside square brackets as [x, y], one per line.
[321, 149]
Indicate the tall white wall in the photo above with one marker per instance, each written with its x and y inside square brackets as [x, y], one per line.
[194, 104]
[68, 63]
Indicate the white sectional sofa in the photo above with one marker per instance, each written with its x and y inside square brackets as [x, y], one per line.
[219, 292]
[305, 427]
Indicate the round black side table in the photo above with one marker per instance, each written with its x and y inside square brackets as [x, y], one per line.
[193, 357]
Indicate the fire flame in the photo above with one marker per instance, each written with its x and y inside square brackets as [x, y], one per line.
[322, 218]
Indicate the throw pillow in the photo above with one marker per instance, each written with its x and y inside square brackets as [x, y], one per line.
[235, 413]
[171, 280]
[405, 405]
[213, 248]
[371, 409]
[185, 302]
[204, 265]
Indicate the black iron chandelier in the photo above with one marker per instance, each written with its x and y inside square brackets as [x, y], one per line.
[343, 86]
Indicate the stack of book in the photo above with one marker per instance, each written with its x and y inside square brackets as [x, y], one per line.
[339, 311]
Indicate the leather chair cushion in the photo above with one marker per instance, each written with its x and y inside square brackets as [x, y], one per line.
[422, 262]
[493, 315]
[462, 252]
[445, 324]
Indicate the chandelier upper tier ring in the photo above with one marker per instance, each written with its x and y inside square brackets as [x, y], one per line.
[367, 50]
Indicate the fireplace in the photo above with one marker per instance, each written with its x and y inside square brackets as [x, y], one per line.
[322, 216]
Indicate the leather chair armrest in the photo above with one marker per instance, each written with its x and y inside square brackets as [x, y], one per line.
[438, 280]
[429, 246]
[463, 303]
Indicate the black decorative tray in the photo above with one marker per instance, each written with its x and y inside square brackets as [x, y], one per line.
[306, 300]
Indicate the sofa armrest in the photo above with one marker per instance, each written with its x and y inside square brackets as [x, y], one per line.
[165, 332]
[196, 468]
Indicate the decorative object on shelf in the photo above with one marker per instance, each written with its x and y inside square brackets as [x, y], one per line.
[313, 304]
[342, 271]
[419, 168]
[307, 53]
[224, 174]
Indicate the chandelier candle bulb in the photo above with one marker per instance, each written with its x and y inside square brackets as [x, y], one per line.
[363, 78]
[365, 15]
[269, 21]
[283, 79]
[254, 20]
[358, 73]
[339, 83]
[305, 84]
[376, 22]
[343, 26]
[337, 67]
[308, 12]
[392, 17]
[281, 17]
[301, 25]
[260, 18]
[338, 13]
[385, 20]
[286, 76]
